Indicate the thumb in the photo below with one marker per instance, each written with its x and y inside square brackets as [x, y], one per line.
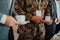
[15, 21]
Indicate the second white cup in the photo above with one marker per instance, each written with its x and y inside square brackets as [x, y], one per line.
[20, 18]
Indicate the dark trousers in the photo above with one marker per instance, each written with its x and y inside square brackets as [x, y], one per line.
[50, 31]
[11, 36]
[57, 28]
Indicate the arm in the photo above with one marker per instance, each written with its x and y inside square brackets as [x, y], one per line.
[7, 20]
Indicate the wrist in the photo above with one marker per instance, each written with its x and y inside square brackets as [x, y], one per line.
[7, 20]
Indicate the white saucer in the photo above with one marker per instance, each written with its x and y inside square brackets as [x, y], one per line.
[23, 23]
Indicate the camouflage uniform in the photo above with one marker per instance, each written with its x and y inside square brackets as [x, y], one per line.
[31, 30]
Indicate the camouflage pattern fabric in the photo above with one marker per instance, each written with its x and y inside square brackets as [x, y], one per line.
[30, 31]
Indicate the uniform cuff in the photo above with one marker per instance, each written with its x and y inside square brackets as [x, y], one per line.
[3, 19]
[56, 21]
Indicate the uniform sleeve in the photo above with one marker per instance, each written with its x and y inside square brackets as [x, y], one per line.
[54, 13]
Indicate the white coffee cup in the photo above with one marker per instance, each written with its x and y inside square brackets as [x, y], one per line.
[38, 13]
[47, 18]
[20, 18]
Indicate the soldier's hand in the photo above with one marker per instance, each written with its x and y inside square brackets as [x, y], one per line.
[48, 22]
[37, 19]
[58, 20]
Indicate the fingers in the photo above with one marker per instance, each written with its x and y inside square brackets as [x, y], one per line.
[12, 24]
[48, 22]
[10, 21]
[37, 19]
[59, 20]
[15, 21]
[41, 19]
